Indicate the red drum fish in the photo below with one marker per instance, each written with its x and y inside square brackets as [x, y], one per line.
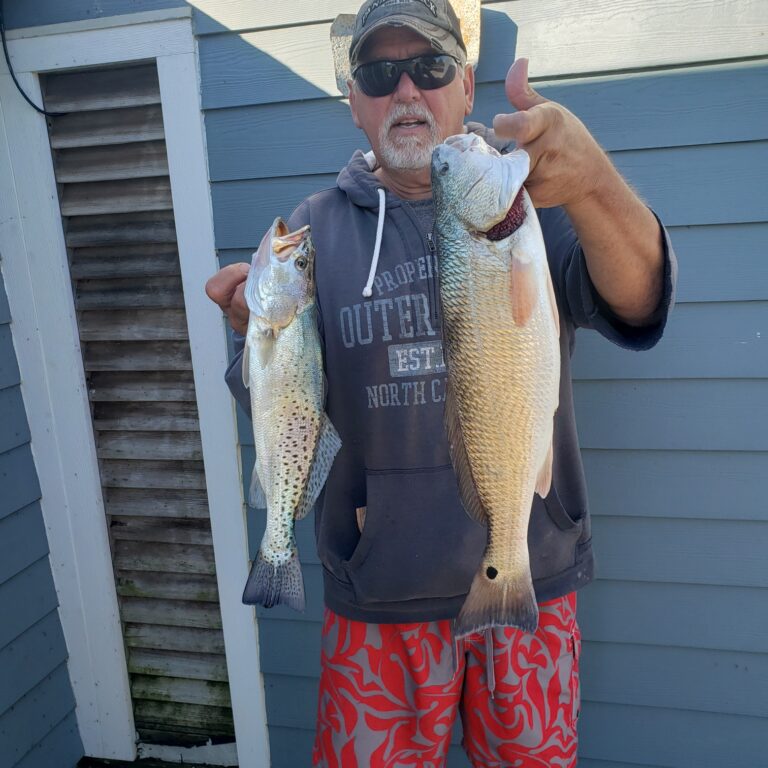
[501, 338]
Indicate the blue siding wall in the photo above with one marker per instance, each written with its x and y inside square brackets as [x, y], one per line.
[37, 708]
[675, 659]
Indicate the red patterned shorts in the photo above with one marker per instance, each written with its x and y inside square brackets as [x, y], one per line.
[389, 693]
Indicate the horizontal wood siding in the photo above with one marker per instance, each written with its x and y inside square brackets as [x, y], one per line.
[111, 166]
[673, 440]
[37, 705]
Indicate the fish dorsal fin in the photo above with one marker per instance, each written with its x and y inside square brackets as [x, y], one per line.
[467, 489]
[544, 480]
[522, 287]
[328, 444]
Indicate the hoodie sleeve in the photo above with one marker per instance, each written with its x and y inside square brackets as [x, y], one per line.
[580, 300]
[233, 376]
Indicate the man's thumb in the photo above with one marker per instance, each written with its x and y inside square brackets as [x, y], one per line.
[519, 93]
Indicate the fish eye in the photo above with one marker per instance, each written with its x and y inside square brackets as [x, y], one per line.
[443, 169]
[301, 263]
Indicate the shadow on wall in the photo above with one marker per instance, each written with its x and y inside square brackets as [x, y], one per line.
[276, 136]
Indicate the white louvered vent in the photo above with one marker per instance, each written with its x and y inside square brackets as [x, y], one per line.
[112, 174]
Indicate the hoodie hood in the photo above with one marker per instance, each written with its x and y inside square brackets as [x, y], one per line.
[359, 183]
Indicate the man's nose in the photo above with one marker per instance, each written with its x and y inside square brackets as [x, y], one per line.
[406, 90]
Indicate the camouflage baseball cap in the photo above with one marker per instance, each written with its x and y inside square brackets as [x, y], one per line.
[434, 20]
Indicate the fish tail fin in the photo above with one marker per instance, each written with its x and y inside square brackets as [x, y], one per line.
[498, 602]
[270, 585]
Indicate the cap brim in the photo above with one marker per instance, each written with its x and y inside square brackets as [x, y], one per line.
[434, 35]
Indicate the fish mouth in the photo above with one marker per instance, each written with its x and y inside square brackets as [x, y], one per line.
[283, 241]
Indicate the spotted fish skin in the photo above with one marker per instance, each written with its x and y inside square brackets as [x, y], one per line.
[294, 440]
[500, 332]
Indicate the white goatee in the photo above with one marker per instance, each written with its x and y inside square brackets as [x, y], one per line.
[408, 152]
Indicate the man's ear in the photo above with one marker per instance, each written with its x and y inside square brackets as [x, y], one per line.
[353, 102]
[469, 89]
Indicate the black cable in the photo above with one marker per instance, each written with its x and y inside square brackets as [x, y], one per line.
[13, 76]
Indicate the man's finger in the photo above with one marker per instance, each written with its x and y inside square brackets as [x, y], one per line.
[523, 127]
[519, 92]
[221, 287]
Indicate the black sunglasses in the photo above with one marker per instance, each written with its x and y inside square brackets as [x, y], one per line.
[430, 71]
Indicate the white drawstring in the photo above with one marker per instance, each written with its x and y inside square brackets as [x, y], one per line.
[368, 290]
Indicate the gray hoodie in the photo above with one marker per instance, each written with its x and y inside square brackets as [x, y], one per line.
[418, 550]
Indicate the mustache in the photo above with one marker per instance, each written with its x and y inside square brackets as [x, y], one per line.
[416, 110]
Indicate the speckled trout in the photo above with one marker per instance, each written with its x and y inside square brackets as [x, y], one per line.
[294, 439]
[500, 333]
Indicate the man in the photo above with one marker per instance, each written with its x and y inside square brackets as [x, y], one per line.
[398, 550]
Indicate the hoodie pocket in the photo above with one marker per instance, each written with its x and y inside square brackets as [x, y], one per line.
[417, 541]
[557, 513]
[552, 536]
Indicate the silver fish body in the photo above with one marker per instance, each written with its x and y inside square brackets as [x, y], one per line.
[500, 332]
[294, 440]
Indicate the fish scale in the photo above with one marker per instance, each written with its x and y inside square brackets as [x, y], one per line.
[500, 333]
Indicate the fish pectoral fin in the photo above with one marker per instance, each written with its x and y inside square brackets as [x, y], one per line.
[328, 444]
[458, 450]
[553, 302]
[544, 480]
[262, 335]
[263, 343]
[522, 290]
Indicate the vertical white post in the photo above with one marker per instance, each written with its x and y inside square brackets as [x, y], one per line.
[185, 140]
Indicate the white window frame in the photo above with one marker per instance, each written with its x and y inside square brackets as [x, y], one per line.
[44, 328]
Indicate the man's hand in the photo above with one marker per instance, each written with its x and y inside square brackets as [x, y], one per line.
[620, 237]
[227, 289]
[567, 164]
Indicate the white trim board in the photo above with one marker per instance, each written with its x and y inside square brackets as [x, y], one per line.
[185, 140]
[44, 328]
[95, 47]
[100, 22]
